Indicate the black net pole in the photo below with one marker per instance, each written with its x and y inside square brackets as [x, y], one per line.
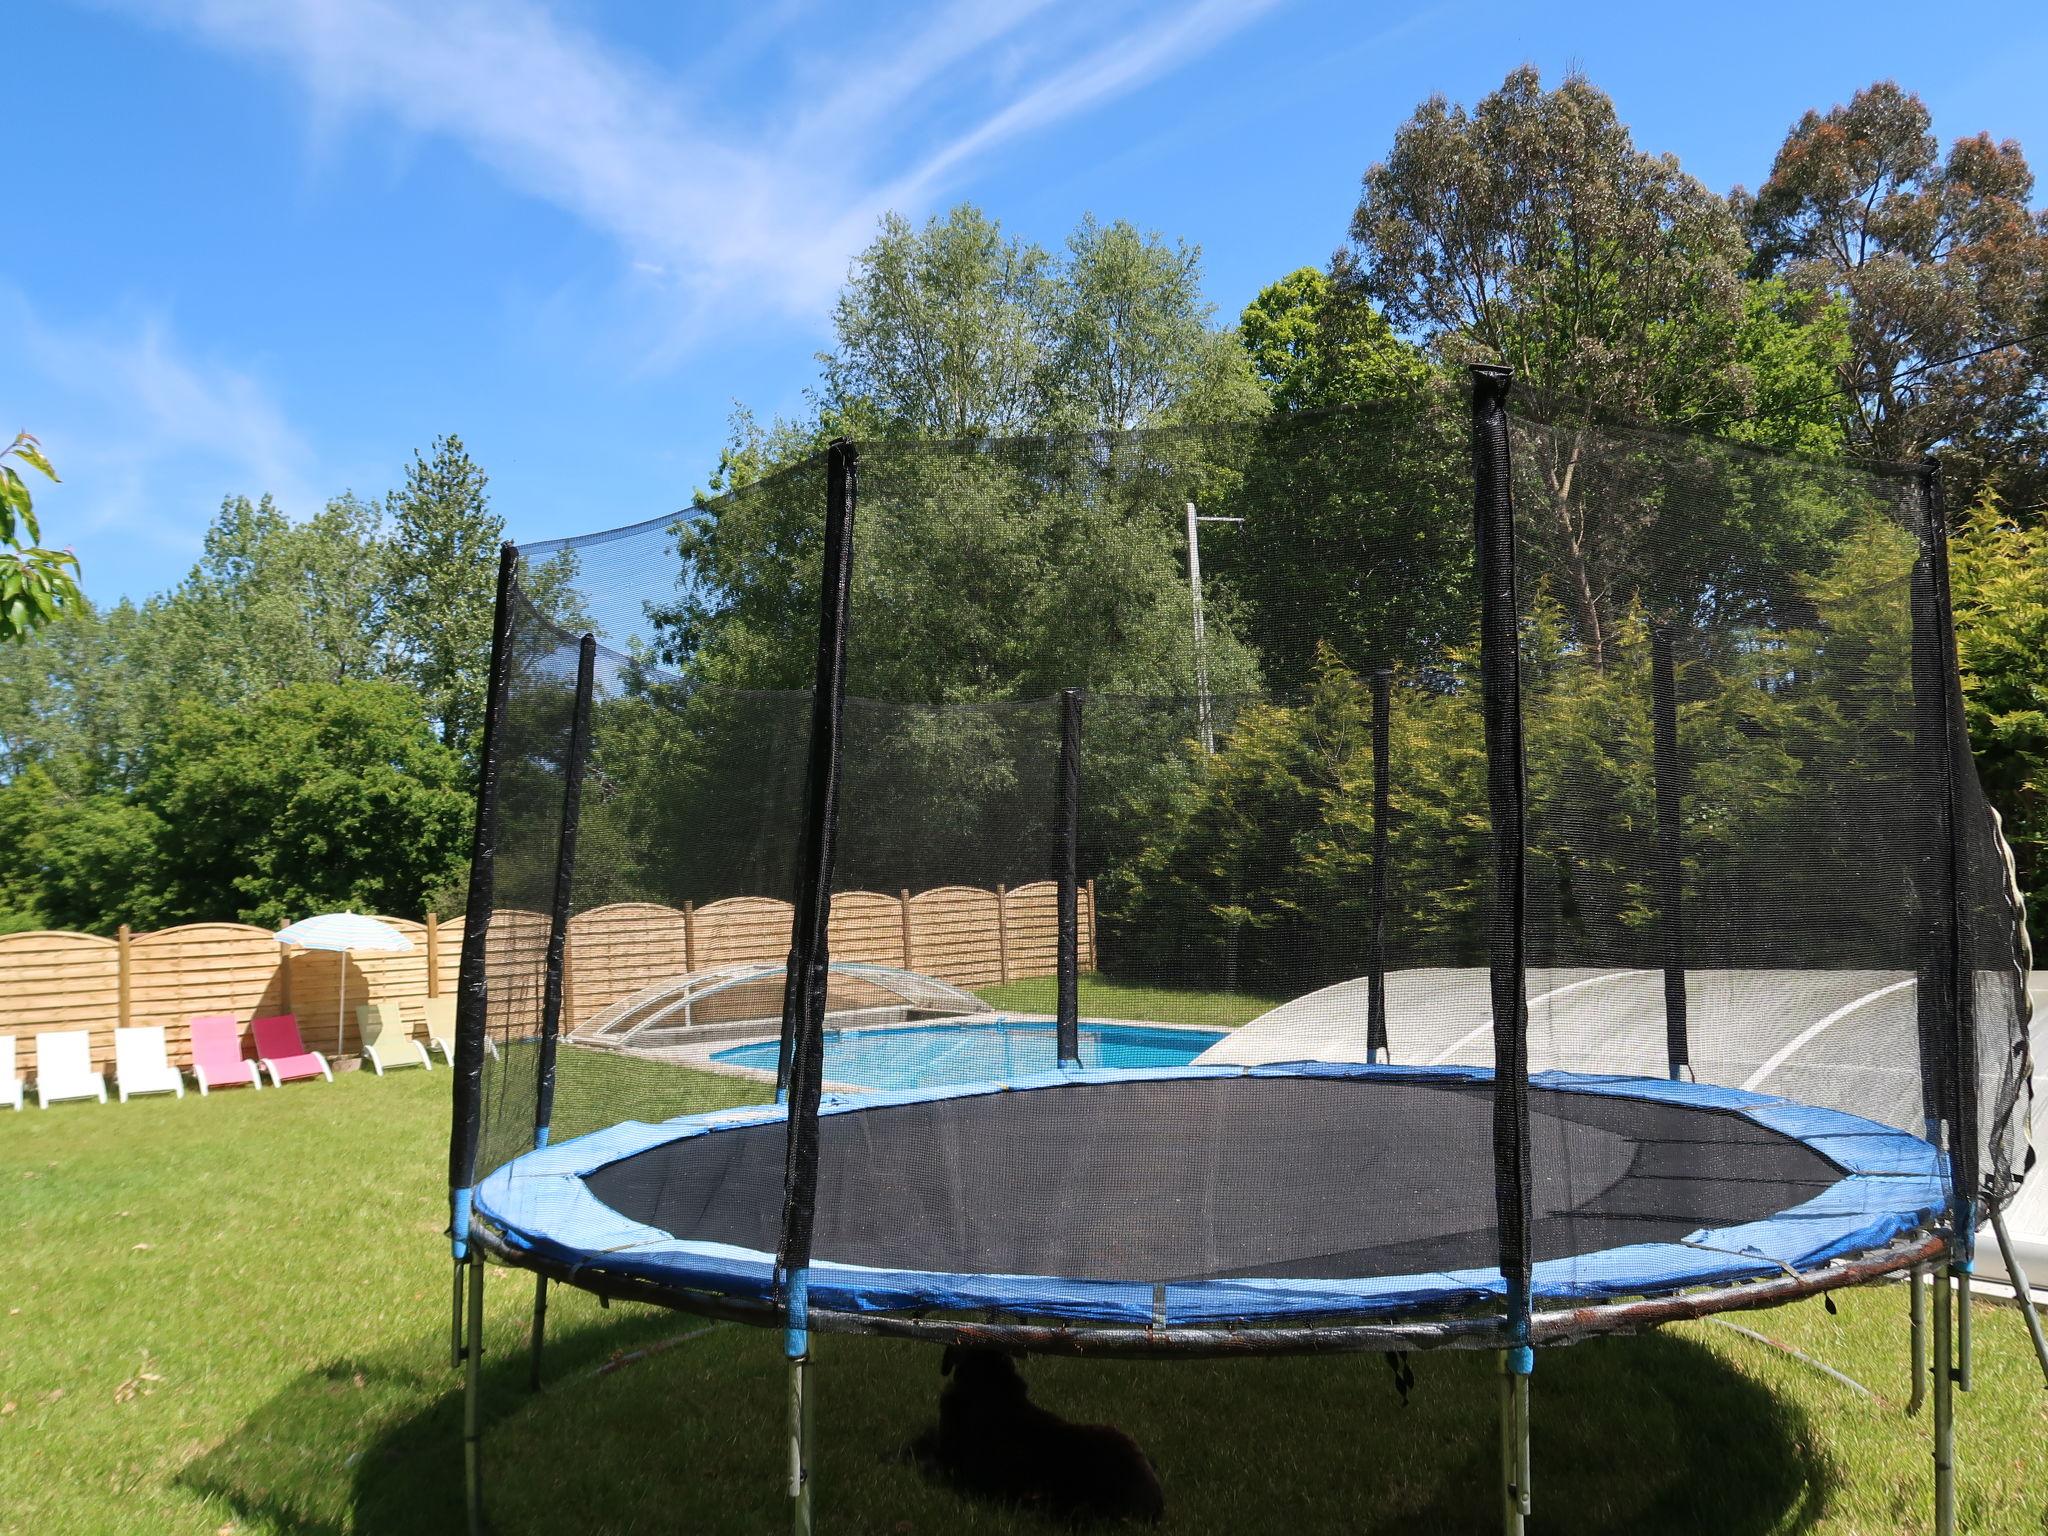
[1670, 852]
[565, 873]
[472, 996]
[1070, 878]
[809, 956]
[1377, 1047]
[1947, 1031]
[1506, 796]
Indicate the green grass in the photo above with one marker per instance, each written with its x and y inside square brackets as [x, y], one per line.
[231, 1315]
[1103, 999]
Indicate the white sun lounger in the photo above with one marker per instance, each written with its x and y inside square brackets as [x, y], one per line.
[64, 1068]
[142, 1062]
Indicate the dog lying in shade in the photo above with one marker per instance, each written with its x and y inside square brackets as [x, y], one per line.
[993, 1442]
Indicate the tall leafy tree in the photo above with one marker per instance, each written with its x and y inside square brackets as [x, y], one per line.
[443, 560]
[1943, 269]
[1133, 340]
[1314, 343]
[1532, 231]
[941, 330]
[1999, 573]
[317, 796]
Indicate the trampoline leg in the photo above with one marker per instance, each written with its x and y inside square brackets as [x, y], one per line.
[540, 1328]
[1916, 1312]
[800, 1445]
[455, 1332]
[472, 1403]
[1963, 1329]
[2018, 1276]
[1514, 1447]
[1944, 1405]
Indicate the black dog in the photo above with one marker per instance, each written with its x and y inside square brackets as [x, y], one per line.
[994, 1442]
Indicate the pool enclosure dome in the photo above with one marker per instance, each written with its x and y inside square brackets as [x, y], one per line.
[1583, 815]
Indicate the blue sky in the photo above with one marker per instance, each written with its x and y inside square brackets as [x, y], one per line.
[278, 244]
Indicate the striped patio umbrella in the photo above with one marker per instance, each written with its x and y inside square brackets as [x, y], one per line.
[345, 933]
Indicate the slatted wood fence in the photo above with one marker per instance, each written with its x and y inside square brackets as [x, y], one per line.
[53, 980]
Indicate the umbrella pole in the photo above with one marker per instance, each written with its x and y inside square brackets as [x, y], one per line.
[340, 1001]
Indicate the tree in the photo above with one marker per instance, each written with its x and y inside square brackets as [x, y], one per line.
[942, 330]
[36, 584]
[1314, 343]
[1532, 232]
[313, 797]
[1999, 574]
[1133, 345]
[1942, 268]
[442, 585]
[956, 331]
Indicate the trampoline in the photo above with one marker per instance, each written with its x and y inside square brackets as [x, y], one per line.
[1642, 1188]
[1622, 929]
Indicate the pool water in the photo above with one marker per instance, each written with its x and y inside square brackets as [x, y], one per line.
[933, 1055]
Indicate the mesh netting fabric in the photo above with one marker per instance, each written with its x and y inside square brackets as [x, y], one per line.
[1755, 855]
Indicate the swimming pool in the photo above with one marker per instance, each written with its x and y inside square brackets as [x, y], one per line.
[932, 1055]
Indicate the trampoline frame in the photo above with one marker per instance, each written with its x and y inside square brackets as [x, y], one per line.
[1892, 1184]
[1936, 1235]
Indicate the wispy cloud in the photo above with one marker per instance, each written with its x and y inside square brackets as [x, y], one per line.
[147, 436]
[757, 201]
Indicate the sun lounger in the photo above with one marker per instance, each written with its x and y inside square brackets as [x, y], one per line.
[386, 1043]
[441, 1028]
[217, 1059]
[142, 1062]
[283, 1053]
[64, 1068]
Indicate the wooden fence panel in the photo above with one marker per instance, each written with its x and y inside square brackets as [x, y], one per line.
[616, 950]
[741, 928]
[196, 968]
[867, 926]
[954, 932]
[515, 958]
[52, 981]
[448, 972]
[1031, 915]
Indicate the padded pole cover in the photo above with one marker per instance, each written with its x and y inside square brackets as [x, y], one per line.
[1948, 1078]
[565, 873]
[1376, 942]
[1670, 852]
[1506, 797]
[472, 994]
[1070, 878]
[803, 1022]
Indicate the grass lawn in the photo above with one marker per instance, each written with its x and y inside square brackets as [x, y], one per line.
[230, 1315]
[1105, 999]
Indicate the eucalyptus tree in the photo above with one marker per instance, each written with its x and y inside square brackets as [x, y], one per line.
[1531, 231]
[1943, 271]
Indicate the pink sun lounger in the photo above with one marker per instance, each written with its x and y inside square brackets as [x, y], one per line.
[283, 1053]
[217, 1059]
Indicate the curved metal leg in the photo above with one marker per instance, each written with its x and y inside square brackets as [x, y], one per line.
[2023, 1288]
[800, 1444]
[1514, 1447]
[1944, 1405]
[1916, 1279]
[540, 1328]
[472, 1402]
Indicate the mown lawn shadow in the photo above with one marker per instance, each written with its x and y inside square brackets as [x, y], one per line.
[1658, 1434]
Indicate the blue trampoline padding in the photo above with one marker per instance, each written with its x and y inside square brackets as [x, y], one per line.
[1893, 1183]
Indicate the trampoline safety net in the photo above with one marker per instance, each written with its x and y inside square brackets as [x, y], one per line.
[1531, 863]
